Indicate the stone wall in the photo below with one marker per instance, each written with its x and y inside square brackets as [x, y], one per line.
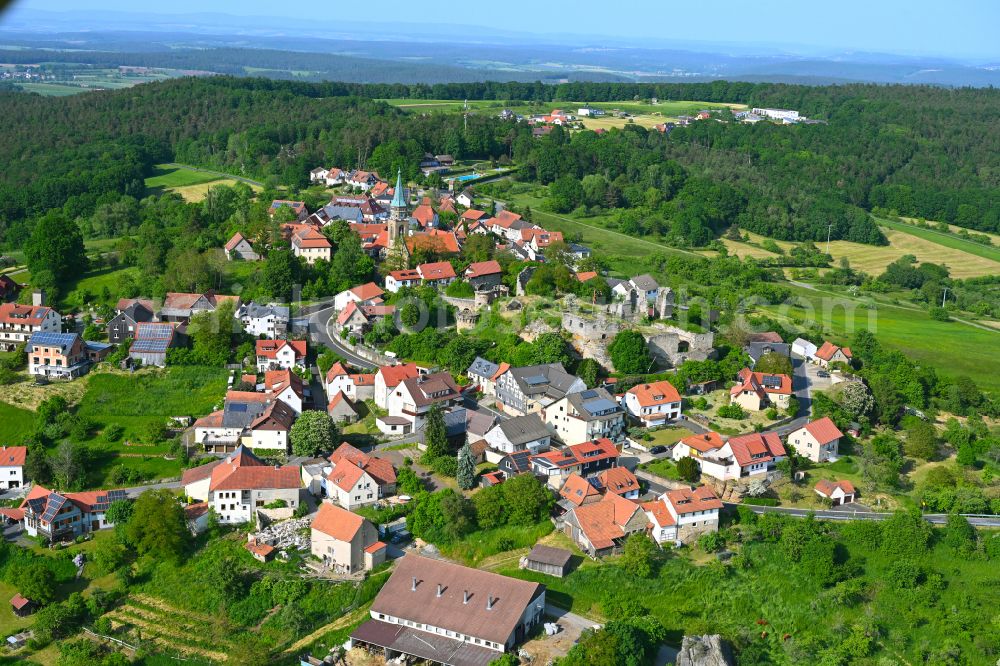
[669, 345]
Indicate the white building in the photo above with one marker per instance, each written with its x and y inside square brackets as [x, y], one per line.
[238, 485]
[19, 322]
[683, 515]
[817, 440]
[397, 280]
[268, 321]
[12, 466]
[280, 354]
[777, 114]
[389, 377]
[520, 433]
[654, 404]
[587, 415]
[363, 294]
[803, 348]
[413, 398]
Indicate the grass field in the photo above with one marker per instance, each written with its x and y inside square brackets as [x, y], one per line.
[872, 259]
[135, 400]
[951, 347]
[53, 89]
[621, 250]
[994, 237]
[16, 424]
[189, 183]
[88, 289]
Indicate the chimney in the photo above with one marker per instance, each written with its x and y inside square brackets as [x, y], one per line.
[489, 602]
[465, 597]
[38, 297]
[413, 588]
[440, 589]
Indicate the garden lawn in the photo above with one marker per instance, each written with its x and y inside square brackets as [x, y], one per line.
[481, 544]
[16, 424]
[667, 436]
[665, 468]
[150, 395]
[88, 289]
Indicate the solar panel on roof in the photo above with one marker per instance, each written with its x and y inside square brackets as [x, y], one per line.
[56, 502]
[600, 405]
[589, 393]
[535, 380]
[237, 407]
[770, 381]
[151, 345]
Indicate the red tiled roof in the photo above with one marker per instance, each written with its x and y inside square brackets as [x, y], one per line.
[689, 501]
[244, 471]
[423, 214]
[661, 514]
[577, 489]
[309, 237]
[756, 447]
[270, 348]
[603, 522]
[19, 602]
[482, 268]
[367, 291]
[618, 480]
[657, 393]
[213, 420]
[339, 523]
[473, 214]
[234, 241]
[345, 475]
[13, 456]
[827, 487]
[824, 430]
[30, 315]
[828, 349]
[767, 336]
[704, 442]
[586, 275]
[260, 549]
[392, 375]
[375, 547]
[406, 275]
[754, 381]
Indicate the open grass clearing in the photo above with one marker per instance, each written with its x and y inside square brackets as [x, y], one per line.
[956, 229]
[191, 183]
[872, 259]
[90, 288]
[152, 394]
[951, 347]
[16, 424]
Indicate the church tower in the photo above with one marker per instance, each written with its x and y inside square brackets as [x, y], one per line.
[399, 210]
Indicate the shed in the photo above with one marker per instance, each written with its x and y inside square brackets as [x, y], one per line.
[21, 606]
[547, 560]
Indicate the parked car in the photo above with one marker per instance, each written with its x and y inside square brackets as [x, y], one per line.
[658, 449]
[822, 373]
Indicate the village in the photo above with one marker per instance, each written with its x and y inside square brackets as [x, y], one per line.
[590, 447]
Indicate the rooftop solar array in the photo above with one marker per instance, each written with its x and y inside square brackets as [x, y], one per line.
[599, 406]
[588, 394]
[771, 381]
[536, 380]
[104, 501]
[150, 345]
[56, 502]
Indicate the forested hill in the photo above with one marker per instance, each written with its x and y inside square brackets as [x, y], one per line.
[922, 151]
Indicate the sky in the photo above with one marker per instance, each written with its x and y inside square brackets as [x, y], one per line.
[958, 28]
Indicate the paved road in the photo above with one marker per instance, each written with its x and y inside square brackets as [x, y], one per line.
[848, 514]
[319, 334]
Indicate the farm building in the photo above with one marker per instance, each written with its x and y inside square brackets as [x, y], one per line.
[547, 560]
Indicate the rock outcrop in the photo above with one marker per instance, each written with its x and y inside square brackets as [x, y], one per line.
[704, 651]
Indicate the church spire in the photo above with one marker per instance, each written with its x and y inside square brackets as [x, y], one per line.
[399, 196]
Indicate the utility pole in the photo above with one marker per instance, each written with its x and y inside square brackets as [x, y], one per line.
[829, 229]
[944, 296]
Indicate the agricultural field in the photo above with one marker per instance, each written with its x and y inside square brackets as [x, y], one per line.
[964, 259]
[16, 424]
[953, 348]
[185, 634]
[190, 183]
[946, 240]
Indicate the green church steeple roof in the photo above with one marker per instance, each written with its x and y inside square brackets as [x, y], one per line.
[398, 196]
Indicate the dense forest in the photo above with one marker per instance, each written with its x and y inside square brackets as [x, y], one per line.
[917, 151]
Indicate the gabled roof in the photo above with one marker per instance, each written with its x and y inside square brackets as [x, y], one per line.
[577, 490]
[482, 268]
[424, 214]
[434, 240]
[618, 480]
[368, 291]
[523, 429]
[309, 237]
[462, 604]
[756, 448]
[473, 214]
[828, 349]
[430, 389]
[234, 241]
[685, 501]
[30, 315]
[766, 336]
[392, 375]
[482, 368]
[824, 430]
[703, 443]
[762, 383]
[13, 456]
[242, 470]
[276, 381]
[645, 282]
[336, 522]
[270, 348]
[586, 275]
[440, 270]
[405, 275]
[340, 405]
[345, 475]
[603, 522]
[827, 487]
[657, 393]
[65, 341]
[379, 469]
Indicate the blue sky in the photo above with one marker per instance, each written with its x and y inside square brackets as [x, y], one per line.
[958, 28]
